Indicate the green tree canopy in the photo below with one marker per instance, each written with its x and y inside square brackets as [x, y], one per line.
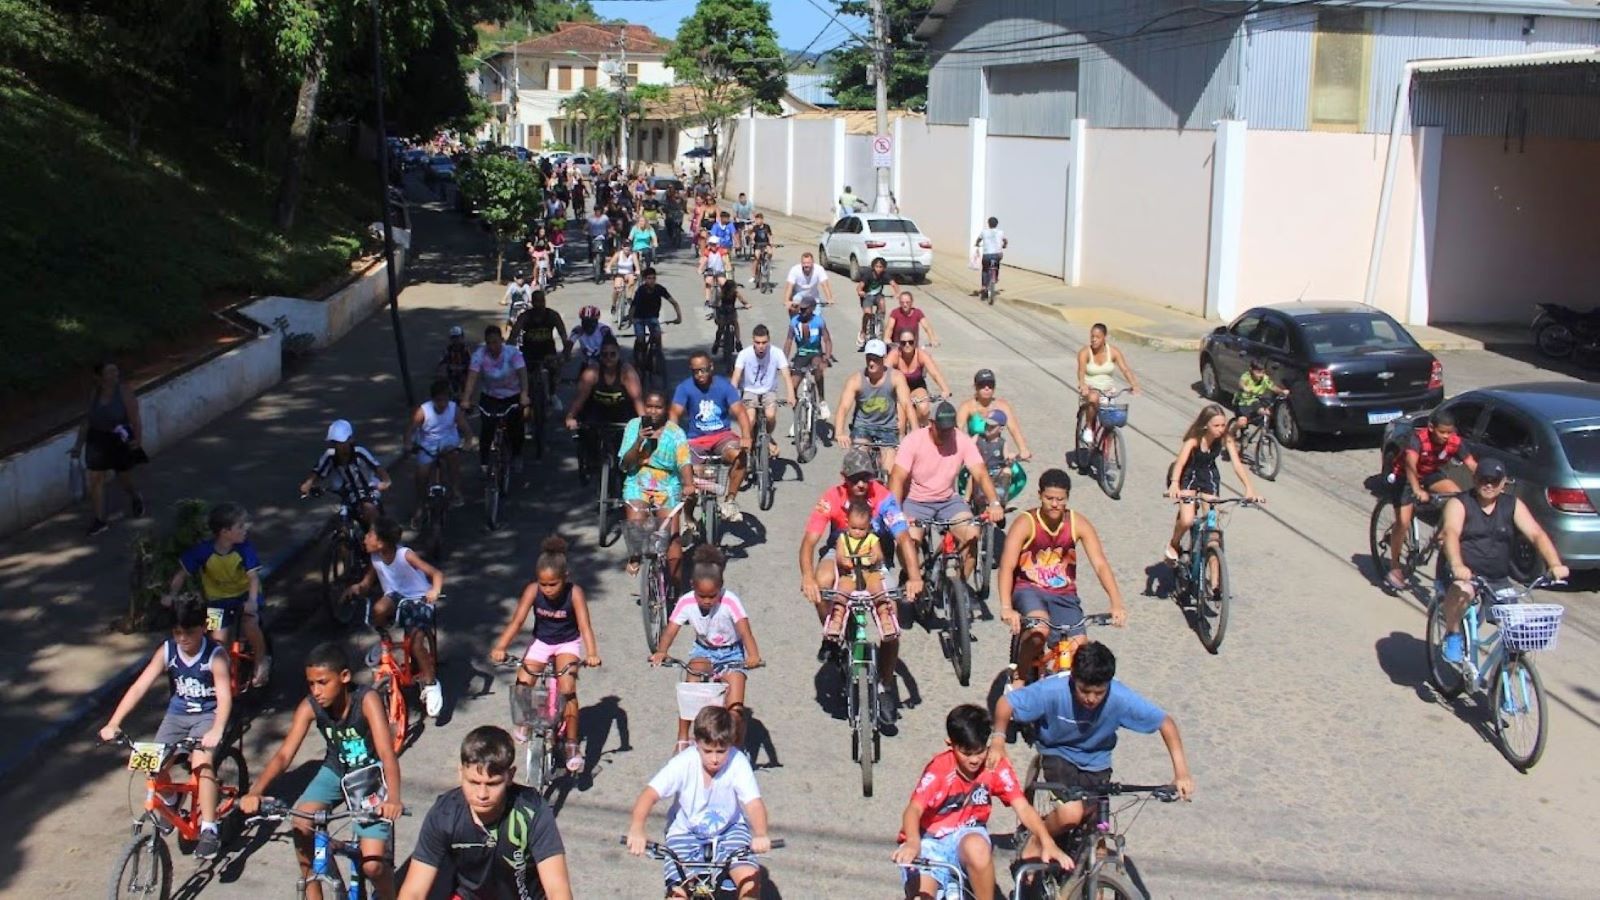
[506, 194]
[728, 53]
[908, 63]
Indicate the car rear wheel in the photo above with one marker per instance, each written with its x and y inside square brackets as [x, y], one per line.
[1209, 386]
[1286, 426]
[822, 257]
[855, 268]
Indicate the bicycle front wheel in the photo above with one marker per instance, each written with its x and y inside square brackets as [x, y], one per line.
[338, 572]
[960, 612]
[1212, 597]
[1445, 678]
[765, 492]
[1106, 881]
[1268, 458]
[805, 431]
[866, 722]
[1113, 462]
[652, 606]
[604, 512]
[144, 872]
[1382, 531]
[1516, 699]
[394, 706]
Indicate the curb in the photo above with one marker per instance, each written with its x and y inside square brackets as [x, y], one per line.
[1127, 335]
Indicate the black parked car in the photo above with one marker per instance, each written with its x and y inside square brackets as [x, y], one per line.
[1348, 367]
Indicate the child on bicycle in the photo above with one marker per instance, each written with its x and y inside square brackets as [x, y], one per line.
[229, 573]
[352, 722]
[411, 589]
[455, 361]
[947, 819]
[437, 431]
[858, 555]
[351, 470]
[714, 799]
[722, 635]
[561, 631]
[202, 699]
[1251, 398]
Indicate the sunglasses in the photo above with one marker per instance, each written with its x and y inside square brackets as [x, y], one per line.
[985, 384]
[858, 477]
[908, 343]
[1490, 482]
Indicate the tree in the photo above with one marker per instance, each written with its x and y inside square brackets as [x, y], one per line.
[506, 194]
[727, 52]
[601, 114]
[908, 63]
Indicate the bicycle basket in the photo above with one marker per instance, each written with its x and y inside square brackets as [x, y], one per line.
[1114, 415]
[694, 696]
[529, 706]
[1526, 627]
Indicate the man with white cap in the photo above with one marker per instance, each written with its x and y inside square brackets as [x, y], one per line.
[713, 266]
[875, 407]
[350, 470]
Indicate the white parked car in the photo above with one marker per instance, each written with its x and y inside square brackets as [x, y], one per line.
[853, 242]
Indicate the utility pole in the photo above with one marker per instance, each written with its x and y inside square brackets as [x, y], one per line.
[880, 71]
[621, 78]
[384, 206]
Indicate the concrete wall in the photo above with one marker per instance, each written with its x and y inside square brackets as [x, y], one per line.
[734, 138]
[332, 318]
[1146, 214]
[935, 164]
[1027, 192]
[1311, 202]
[772, 163]
[858, 170]
[1515, 227]
[814, 188]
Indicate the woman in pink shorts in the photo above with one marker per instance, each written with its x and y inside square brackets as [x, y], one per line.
[561, 633]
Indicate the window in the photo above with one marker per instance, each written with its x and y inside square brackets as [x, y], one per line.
[843, 225]
[633, 70]
[892, 226]
[591, 76]
[1246, 326]
[1467, 414]
[1340, 66]
[563, 78]
[1347, 332]
[1508, 433]
[1583, 449]
[1274, 335]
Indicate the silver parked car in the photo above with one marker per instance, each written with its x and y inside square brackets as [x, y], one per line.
[1548, 436]
[857, 239]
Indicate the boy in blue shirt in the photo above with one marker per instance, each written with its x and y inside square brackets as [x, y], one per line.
[229, 573]
[1077, 719]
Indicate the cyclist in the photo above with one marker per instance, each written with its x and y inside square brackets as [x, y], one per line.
[708, 408]
[809, 346]
[645, 312]
[1418, 474]
[713, 266]
[561, 632]
[924, 477]
[743, 216]
[1251, 398]
[916, 365]
[539, 253]
[654, 453]
[351, 470]
[1195, 475]
[907, 317]
[504, 374]
[991, 244]
[598, 229]
[806, 280]
[725, 312]
[757, 372]
[590, 335]
[858, 555]
[1078, 719]
[1478, 530]
[1096, 363]
[202, 699]
[1038, 573]
[714, 799]
[725, 233]
[352, 722]
[518, 295]
[875, 406]
[760, 237]
[874, 282]
[722, 635]
[492, 837]
[947, 819]
[705, 216]
[455, 360]
[624, 267]
[607, 394]
[229, 573]
[829, 518]
[538, 329]
[643, 238]
[436, 433]
[411, 589]
[985, 401]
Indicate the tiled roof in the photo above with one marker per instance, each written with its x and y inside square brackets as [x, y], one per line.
[595, 38]
[856, 121]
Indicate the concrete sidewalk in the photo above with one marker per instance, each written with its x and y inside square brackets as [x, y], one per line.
[1127, 318]
[60, 589]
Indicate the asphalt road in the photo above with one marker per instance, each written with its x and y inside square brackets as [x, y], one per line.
[1324, 765]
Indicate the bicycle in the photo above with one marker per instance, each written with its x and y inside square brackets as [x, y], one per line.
[1420, 542]
[345, 561]
[326, 849]
[1258, 445]
[761, 457]
[497, 484]
[394, 669]
[709, 489]
[1499, 668]
[727, 343]
[435, 509]
[1098, 849]
[1106, 451]
[764, 268]
[648, 359]
[144, 869]
[707, 879]
[241, 661]
[805, 415]
[859, 668]
[947, 594]
[991, 280]
[541, 392]
[656, 595]
[604, 439]
[537, 721]
[876, 448]
[698, 690]
[1059, 647]
[1201, 571]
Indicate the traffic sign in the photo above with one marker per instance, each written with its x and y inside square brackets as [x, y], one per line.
[882, 151]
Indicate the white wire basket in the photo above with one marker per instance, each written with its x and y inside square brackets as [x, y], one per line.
[1526, 627]
[694, 696]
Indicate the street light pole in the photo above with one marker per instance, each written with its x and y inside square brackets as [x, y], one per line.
[383, 206]
[621, 78]
[880, 68]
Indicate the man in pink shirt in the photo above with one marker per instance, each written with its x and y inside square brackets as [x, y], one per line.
[924, 481]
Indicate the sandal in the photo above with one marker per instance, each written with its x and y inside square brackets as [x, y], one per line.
[1170, 553]
[1394, 581]
[632, 566]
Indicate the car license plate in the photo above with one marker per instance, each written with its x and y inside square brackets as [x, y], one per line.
[146, 757]
[1382, 418]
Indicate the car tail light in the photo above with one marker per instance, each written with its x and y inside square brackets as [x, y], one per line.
[873, 245]
[926, 245]
[1321, 379]
[1436, 376]
[1569, 500]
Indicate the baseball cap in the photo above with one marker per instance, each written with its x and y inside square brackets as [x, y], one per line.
[713, 240]
[876, 347]
[1490, 470]
[857, 461]
[997, 417]
[455, 331]
[340, 431]
[984, 376]
[945, 416]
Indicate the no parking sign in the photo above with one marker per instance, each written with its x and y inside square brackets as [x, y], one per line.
[882, 151]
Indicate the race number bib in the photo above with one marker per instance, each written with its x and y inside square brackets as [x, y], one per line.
[213, 618]
[146, 757]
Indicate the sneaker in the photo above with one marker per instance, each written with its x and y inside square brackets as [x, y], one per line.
[137, 506]
[263, 673]
[522, 733]
[210, 843]
[790, 435]
[574, 758]
[1088, 435]
[888, 707]
[730, 511]
[822, 410]
[861, 344]
[457, 501]
[97, 526]
[1454, 649]
[432, 699]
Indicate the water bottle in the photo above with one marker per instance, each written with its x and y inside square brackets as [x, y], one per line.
[1064, 657]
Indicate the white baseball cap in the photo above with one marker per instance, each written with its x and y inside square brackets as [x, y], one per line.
[713, 240]
[876, 348]
[340, 431]
[455, 331]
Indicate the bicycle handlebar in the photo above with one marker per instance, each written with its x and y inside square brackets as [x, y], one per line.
[569, 668]
[1166, 793]
[673, 662]
[885, 594]
[122, 740]
[1097, 619]
[663, 852]
[1218, 501]
[275, 810]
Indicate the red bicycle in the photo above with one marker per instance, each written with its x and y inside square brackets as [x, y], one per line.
[394, 672]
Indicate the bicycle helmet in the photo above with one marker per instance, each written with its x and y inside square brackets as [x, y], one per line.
[589, 312]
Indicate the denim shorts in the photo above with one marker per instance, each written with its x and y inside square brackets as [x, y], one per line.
[946, 849]
[877, 434]
[409, 613]
[731, 655]
[232, 608]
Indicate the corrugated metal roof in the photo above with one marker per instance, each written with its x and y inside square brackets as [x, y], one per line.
[856, 121]
[812, 88]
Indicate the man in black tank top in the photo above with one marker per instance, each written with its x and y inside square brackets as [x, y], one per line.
[1478, 529]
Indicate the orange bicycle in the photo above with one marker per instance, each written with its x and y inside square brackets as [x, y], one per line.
[241, 661]
[145, 867]
[394, 672]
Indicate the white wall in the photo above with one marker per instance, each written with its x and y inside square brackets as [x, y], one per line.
[858, 170]
[1027, 192]
[772, 163]
[332, 318]
[814, 190]
[935, 163]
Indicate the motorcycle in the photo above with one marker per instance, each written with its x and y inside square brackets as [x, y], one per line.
[1561, 331]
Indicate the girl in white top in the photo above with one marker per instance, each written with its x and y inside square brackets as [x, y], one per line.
[1097, 362]
[722, 636]
[405, 578]
[624, 271]
[437, 428]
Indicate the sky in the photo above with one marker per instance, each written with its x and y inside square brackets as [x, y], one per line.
[797, 22]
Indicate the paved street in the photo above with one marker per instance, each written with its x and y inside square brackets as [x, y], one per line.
[1324, 766]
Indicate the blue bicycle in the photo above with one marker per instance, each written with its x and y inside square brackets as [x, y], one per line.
[1498, 663]
[1202, 571]
[325, 847]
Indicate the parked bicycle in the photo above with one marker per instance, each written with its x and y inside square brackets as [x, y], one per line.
[946, 597]
[345, 561]
[859, 670]
[706, 879]
[1502, 632]
[144, 869]
[1098, 847]
[761, 457]
[1106, 452]
[1201, 571]
[326, 849]
[394, 668]
[538, 726]
[1419, 542]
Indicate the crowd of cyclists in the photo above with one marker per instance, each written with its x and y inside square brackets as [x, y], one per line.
[914, 454]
